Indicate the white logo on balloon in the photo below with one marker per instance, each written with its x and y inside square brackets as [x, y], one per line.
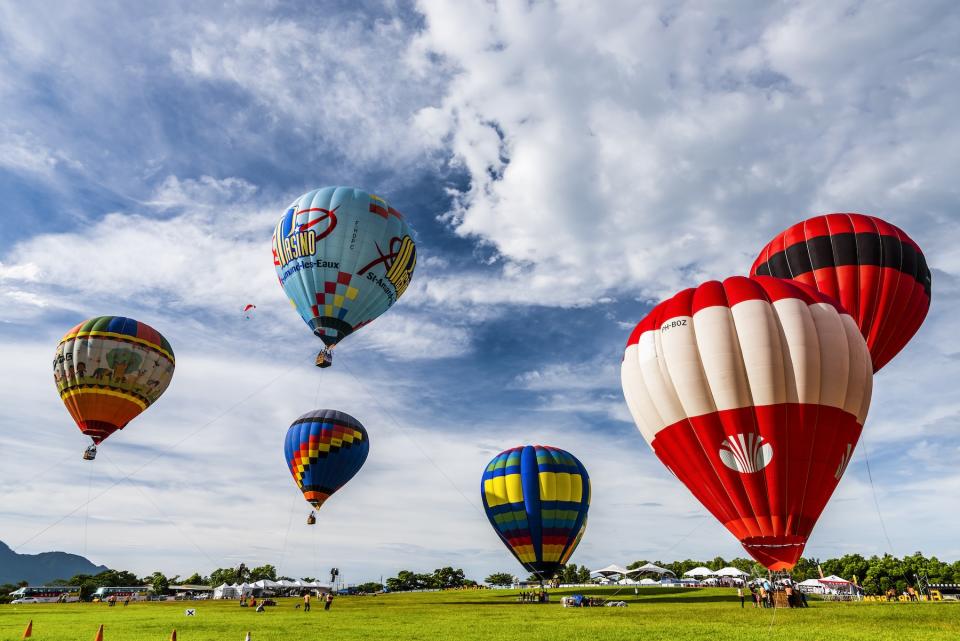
[746, 453]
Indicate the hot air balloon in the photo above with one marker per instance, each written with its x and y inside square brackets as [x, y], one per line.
[873, 268]
[324, 449]
[753, 393]
[109, 369]
[537, 498]
[343, 257]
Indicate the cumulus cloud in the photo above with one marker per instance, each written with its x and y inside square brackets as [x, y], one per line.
[612, 148]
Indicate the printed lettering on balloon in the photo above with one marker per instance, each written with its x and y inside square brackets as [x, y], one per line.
[680, 322]
[399, 263]
[301, 240]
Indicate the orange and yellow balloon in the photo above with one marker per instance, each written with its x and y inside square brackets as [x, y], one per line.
[108, 370]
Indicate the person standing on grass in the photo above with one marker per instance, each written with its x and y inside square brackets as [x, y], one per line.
[306, 602]
[740, 595]
[328, 601]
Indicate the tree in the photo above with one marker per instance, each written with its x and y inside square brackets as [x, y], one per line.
[159, 583]
[223, 575]
[447, 577]
[500, 578]
[263, 572]
[583, 574]
[370, 587]
[196, 579]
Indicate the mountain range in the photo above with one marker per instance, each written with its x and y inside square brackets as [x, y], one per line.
[38, 569]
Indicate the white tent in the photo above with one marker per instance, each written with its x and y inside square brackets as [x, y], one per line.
[649, 568]
[811, 586]
[265, 584]
[649, 581]
[244, 588]
[837, 585]
[611, 570]
[698, 572]
[225, 591]
[731, 571]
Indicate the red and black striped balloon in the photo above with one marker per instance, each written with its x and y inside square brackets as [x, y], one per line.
[876, 271]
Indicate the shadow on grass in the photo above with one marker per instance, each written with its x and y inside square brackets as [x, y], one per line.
[645, 597]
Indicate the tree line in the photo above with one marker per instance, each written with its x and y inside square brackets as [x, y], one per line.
[875, 574]
[441, 579]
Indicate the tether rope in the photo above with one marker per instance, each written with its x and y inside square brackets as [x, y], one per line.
[160, 454]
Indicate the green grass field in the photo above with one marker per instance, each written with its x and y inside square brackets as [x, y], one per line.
[491, 615]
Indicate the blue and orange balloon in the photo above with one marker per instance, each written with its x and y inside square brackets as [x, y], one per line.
[324, 449]
[537, 498]
[343, 257]
[108, 370]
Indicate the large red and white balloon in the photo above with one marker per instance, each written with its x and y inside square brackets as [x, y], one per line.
[753, 392]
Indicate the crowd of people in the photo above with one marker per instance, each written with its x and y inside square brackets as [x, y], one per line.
[259, 606]
[762, 593]
[534, 596]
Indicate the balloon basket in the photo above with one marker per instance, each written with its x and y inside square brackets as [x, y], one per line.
[325, 358]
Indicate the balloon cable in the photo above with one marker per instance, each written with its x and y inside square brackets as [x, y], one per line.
[86, 520]
[873, 490]
[163, 515]
[400, 429]
[283, 552]
[163, 452]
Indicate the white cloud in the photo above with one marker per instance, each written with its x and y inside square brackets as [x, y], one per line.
[407, 336]
[319, 79]
[612, 148]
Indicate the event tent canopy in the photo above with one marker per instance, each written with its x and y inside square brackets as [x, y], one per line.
[833, 578]
[730, 571]
[611, 570]
[651, 568]
[648, 581]
[265, 583]
[700, 571]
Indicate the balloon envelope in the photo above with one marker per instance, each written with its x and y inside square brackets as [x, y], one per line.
[873, 268]
[324, 449]
[536, 498]
[109, 369]
[753, 392]
[343, 257]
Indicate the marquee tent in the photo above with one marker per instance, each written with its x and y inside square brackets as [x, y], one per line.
[699, 572]
[649, 568]
[611, 570]
[731, 571]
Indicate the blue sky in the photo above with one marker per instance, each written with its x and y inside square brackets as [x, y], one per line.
[565, 167]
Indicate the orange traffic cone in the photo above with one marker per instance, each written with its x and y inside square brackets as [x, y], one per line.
[99, 636]
[173, 635]
[29, 631]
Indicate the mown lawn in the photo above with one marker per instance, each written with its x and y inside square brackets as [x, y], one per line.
[492, 615]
